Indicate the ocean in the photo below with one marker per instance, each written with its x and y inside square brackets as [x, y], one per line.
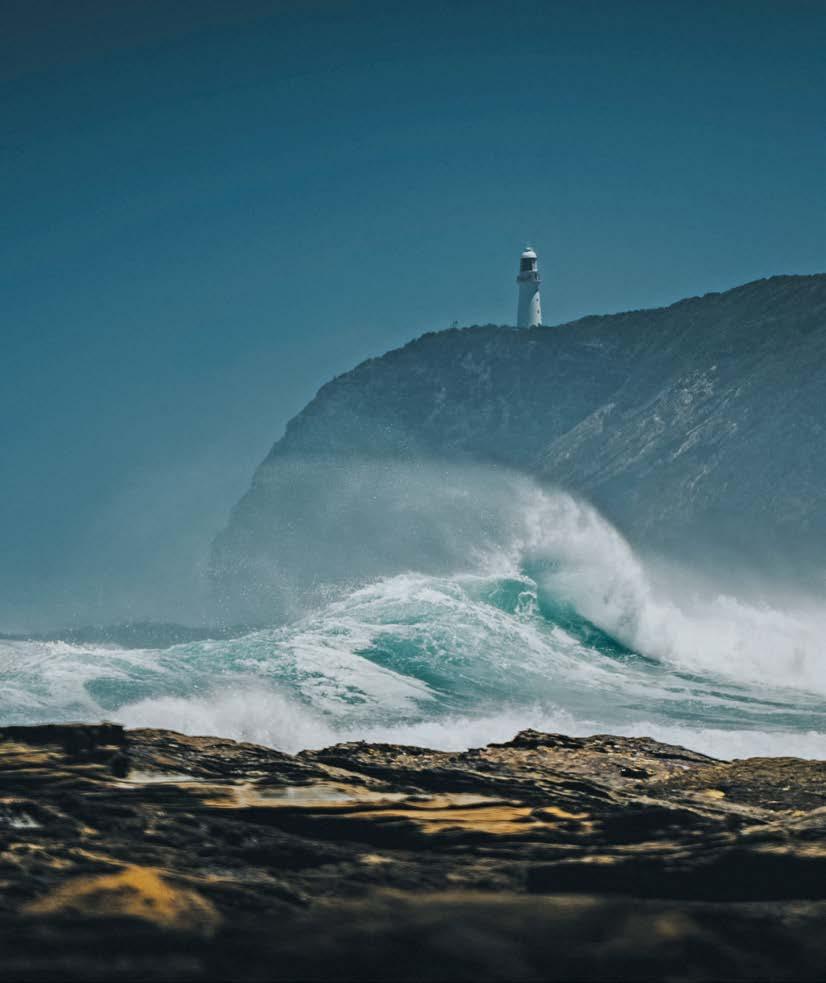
[540, 614]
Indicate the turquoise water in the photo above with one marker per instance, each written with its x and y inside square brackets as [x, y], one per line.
[448, 662]
[557, 625]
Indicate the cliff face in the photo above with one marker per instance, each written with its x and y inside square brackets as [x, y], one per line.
[699, 422]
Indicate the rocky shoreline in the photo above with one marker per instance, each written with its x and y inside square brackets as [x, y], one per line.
[149, 855]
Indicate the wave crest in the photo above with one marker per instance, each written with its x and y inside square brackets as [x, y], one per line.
[520, 606]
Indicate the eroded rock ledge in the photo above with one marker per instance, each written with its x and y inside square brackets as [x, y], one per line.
[151, 855]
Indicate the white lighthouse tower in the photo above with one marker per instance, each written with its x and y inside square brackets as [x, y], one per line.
[529, 311]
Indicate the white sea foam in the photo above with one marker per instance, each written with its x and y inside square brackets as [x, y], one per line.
[498, 636]
[270, 719]
[584, 561]
[260, 716]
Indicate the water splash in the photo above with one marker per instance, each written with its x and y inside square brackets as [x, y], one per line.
[531, 611]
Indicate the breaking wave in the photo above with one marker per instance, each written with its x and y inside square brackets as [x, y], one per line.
[542, 616]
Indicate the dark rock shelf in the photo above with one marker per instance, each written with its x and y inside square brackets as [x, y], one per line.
[149, 855]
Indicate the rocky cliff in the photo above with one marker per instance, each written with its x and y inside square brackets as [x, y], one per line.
[697, 424]
[148, 855]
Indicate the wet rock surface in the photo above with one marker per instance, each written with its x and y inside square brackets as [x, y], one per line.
[151, 855]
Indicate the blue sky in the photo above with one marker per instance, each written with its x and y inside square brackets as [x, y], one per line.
[209, 208]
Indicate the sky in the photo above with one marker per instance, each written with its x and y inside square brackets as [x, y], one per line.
[210, 208]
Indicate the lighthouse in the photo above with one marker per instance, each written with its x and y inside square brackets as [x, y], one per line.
[529, 311]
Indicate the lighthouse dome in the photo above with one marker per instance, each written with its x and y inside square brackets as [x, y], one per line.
[528, 253]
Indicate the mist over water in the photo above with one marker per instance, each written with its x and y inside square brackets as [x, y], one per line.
[451, 605]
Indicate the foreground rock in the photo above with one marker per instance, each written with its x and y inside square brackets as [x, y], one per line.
[151, 855]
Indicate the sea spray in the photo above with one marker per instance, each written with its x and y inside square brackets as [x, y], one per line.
[452, 607]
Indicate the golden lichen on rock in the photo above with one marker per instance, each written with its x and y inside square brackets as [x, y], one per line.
[153, 855]
[134, 892]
